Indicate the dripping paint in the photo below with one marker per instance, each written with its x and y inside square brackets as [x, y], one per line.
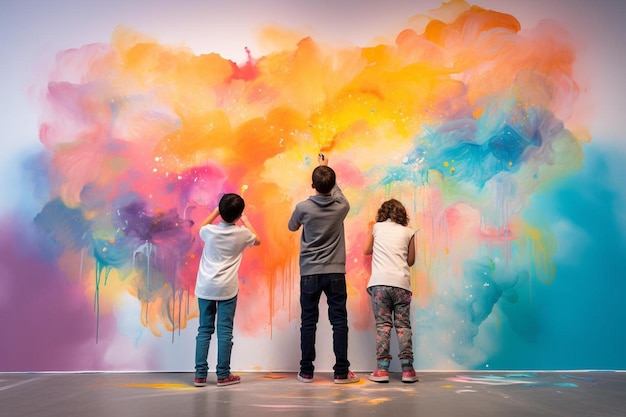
[465, 116]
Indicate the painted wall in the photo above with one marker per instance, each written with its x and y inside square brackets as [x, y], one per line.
[497, 126]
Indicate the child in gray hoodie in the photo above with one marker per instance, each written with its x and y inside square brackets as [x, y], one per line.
[323, 269]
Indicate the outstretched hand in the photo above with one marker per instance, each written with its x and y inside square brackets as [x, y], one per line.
[322, 159]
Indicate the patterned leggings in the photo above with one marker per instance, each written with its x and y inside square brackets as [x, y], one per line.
[392, 308]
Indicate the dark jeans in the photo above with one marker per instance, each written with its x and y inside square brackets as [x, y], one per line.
[311, 288]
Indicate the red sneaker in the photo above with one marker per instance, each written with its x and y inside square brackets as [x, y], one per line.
[348, 378]
[409, 376]
[229, 380]
[379, 375]
[199, 382]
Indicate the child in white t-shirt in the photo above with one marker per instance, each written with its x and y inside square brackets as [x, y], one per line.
[217, 284]
[391, 242]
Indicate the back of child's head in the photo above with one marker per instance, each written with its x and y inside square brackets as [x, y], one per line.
[394, 210]
[231, 206]
[324, 179]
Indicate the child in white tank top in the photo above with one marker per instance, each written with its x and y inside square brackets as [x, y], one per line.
[392, 246]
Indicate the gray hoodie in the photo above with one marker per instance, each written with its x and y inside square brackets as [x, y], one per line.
[322, 244]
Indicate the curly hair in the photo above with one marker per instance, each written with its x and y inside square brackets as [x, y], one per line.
[394, 210]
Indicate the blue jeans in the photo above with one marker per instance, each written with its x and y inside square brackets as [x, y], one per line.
[225, 312]
[311, 288]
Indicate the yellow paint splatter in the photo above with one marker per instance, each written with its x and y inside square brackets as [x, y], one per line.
[376, 401]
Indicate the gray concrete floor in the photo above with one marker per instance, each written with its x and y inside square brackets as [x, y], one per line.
[260, 394]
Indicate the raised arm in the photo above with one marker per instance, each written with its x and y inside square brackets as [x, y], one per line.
[211, 217]
[248, 225]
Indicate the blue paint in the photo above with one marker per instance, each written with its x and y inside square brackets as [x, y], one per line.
[62, 228]
[473, 151]
[578, 320]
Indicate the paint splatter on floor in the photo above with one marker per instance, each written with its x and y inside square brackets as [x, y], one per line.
[529, 380]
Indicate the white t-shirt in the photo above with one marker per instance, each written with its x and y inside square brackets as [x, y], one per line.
[389, 257]
[218, 273]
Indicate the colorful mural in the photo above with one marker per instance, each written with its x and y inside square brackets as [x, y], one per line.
[467, 117]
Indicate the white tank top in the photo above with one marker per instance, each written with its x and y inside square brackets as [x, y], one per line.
[389, 257]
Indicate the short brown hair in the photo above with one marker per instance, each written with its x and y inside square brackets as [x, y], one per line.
[324, 179]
